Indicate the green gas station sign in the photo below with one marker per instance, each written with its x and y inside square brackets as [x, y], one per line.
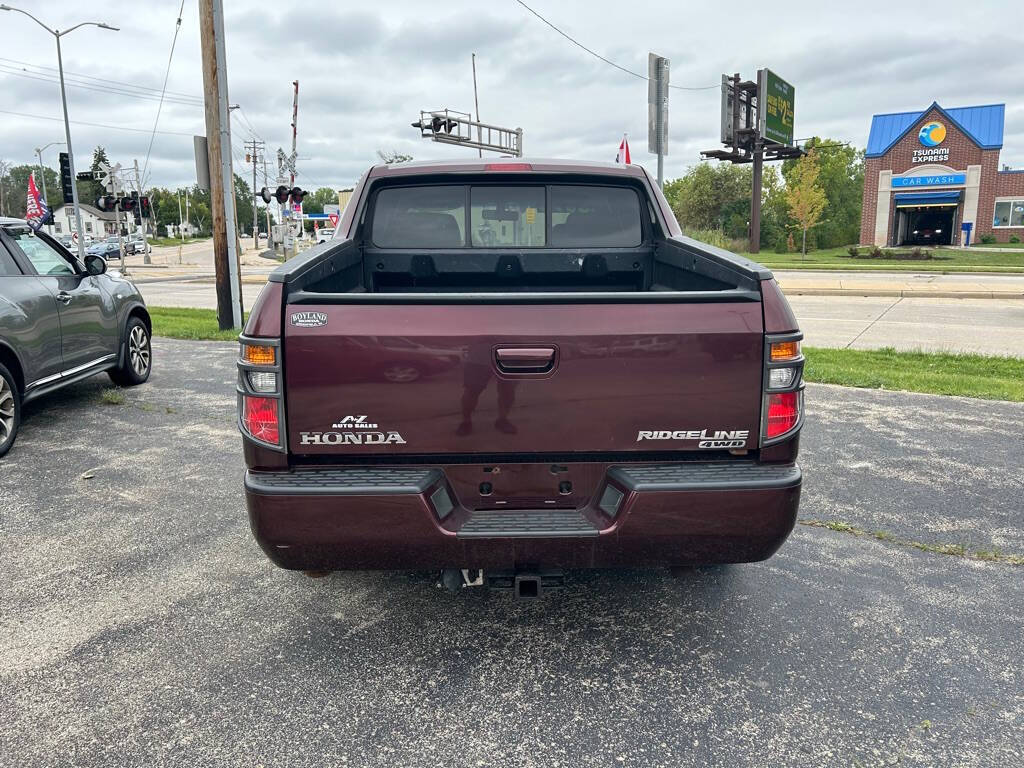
[775, 104]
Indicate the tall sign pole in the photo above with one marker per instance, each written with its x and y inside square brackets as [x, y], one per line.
[756, 125]
[218, 133]
[657, 110]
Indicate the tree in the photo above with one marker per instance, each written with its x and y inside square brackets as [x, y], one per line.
[88, 191]
[708, 196]
[804, 195]
[14, 187]
[244, 203]
[841, 176]
[392, 156]
[315, 202]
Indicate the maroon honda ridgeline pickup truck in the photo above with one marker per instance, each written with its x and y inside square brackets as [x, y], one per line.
[518, 367]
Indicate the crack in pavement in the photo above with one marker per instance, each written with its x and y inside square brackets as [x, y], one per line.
[957, 550]
[872, 323]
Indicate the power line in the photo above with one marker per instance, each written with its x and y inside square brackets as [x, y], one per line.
[43, 78]
[167, 74]
[93, 125]
[100, 79]
[578, 44]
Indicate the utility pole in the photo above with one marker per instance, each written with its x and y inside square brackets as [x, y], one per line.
[145, 242]
[181, 228]
[266, 208]
[476, 105]
[218, 136]
[253, 150]
[295, 134]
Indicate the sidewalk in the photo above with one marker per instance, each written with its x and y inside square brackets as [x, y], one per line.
[964, 285]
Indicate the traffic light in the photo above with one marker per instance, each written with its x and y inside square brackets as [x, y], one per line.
[106, 203]
[65, 177]
[145, 207]
[439, 123]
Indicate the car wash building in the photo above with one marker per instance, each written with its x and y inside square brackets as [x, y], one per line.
[930, 174]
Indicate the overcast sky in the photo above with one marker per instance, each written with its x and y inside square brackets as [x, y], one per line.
[366, 69]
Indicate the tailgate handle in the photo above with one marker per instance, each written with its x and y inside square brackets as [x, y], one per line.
[525, 359]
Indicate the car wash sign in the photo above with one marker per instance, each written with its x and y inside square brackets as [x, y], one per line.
[929, 180]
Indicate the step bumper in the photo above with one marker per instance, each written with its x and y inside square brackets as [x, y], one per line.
[640, 515]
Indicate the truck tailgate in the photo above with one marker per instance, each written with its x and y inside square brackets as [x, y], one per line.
[515, 378]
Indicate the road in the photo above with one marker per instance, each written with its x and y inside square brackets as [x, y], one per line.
[140, 624]
[983, 326]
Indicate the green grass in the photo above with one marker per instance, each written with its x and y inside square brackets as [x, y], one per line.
[981, 376]
[990, 378]
[161, 241]
[946, 261]
[193, 324]
[111, 396]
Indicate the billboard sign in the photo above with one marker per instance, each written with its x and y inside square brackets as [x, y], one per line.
[730, 104]
[775, 101]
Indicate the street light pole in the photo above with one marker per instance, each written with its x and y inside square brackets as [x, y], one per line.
[64, 102]
[42, 178]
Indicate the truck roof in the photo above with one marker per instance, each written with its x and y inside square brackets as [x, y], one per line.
[514, 164]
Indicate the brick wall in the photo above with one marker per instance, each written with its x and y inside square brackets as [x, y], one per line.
[1005, 184]
[962, 153]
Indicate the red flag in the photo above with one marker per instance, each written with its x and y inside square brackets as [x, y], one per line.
[623, 156]
[36, 211]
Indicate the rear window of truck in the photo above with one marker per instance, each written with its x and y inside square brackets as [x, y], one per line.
[512, 216]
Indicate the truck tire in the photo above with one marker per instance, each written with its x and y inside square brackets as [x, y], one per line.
[10, 410]
[136, 355]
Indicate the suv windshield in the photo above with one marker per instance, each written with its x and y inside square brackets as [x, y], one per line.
[509, 216]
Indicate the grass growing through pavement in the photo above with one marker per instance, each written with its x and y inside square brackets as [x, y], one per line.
[944, 261]
[111, 396]
[981, 376]
[957, 550]
[193, 324]
[990, 378]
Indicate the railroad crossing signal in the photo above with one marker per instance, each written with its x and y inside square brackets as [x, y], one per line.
[447, 126]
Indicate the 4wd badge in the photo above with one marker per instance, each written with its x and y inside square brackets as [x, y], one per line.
[309, 319]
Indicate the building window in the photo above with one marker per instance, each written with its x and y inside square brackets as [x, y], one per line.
[88, 226]
[56, 227]
[1009, 213]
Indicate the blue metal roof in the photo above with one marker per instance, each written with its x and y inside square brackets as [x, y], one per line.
[983, 125]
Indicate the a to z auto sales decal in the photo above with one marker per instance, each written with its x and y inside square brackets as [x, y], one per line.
[706, 438]
[353, 430]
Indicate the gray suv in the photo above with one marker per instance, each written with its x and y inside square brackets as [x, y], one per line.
[62, 320]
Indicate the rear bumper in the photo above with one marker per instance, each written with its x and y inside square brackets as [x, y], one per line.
[647, 515]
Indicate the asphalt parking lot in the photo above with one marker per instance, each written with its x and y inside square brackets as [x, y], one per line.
[140, 624]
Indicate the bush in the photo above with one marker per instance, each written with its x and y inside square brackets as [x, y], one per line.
[854, 251]
[987, 239]
[877, 253]
[780, 245]
[1014, 239]
[715, 237]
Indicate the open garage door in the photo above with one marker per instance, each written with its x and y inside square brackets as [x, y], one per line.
[927, 218]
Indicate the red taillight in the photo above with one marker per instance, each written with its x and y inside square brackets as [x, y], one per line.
[783, 413]
[508, 167]
[259, 417]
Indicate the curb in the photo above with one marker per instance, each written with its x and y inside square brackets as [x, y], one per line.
[905, 294]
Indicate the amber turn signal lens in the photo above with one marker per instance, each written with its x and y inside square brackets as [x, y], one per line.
[784, 350]
[258, 355]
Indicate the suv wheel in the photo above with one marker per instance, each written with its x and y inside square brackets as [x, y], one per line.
[137, 355]
[10, 410]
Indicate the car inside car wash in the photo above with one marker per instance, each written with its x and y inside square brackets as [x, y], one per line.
[932, 177]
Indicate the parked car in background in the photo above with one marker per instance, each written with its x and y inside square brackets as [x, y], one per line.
[136, 243]
[108, 249]
[62, 320]
[325, 234]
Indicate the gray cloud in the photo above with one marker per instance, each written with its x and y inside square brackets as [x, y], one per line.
[365, 71]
